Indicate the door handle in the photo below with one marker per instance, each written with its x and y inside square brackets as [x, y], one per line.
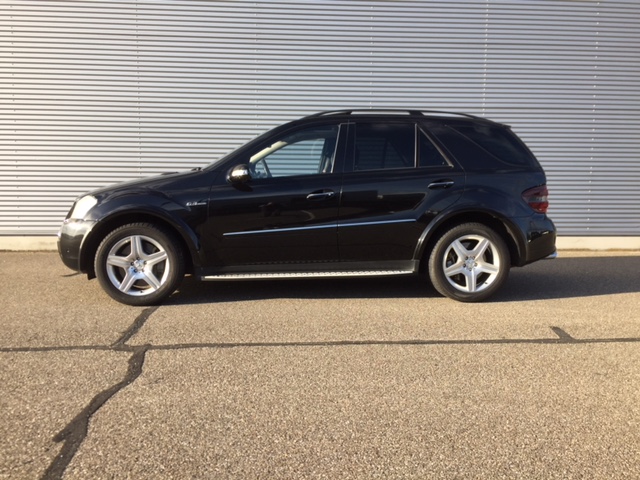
[321, 195]
[441, 184]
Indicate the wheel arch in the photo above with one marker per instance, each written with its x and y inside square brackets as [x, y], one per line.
[187, 238]
[500, 225]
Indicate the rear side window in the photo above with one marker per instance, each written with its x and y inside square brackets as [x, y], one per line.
[428, 154]
[484, 146]
[384, 146]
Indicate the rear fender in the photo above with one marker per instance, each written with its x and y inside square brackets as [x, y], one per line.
[512, 235]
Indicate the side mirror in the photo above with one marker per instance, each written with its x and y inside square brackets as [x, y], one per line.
[239, 174]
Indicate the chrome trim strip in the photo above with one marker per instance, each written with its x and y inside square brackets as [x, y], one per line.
[316, 227]
[274, 275]
[366, 224]
[279, 230]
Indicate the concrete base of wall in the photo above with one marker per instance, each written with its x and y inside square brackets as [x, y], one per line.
[598, 243]
[25, 244]
[16, 243]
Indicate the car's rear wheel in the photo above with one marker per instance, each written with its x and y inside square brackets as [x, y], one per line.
[139, 264]
[469, 263]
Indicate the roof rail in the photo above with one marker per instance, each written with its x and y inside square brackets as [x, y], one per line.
[395, 110]
[366, 110]
[468, 115]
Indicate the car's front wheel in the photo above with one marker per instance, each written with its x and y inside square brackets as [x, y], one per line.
[139, 264]
[469, 263]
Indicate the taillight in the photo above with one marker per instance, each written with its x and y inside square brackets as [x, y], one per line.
[537, 198]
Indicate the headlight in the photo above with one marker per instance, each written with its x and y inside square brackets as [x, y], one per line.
[82, 207]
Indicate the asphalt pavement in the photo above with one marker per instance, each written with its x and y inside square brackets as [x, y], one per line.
[336, 379]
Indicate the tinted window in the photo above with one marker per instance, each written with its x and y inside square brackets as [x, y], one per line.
[428, 154]
[305, 152]
[499, 142]
[484, 146]
[384, 146]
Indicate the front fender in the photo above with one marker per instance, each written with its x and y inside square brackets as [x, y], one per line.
[151, 207]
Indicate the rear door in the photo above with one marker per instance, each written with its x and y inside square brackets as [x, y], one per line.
[396, 181]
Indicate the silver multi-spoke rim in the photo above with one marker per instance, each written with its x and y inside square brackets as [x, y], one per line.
[138, 265]
[471, 263]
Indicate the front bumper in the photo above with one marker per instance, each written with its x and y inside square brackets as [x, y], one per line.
[71, 239]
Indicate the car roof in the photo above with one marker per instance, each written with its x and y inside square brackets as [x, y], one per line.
[437, 115]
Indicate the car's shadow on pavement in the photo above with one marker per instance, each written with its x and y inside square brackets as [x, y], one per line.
[192, 291]
[573, 277]
[545, 280]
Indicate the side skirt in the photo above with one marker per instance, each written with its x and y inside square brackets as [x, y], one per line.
[284, 275]
[317, 270]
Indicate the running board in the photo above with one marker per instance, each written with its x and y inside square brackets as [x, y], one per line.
[284, 275]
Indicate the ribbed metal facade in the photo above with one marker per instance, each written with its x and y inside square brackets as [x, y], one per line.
[95, 92]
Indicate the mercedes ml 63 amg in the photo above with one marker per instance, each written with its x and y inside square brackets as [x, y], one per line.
[343, 193]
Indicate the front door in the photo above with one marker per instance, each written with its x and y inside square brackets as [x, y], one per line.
[287, 213]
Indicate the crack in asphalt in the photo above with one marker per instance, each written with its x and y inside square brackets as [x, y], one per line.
[564, 336]
[134, 328]
[562, 339]
[74, 434]
[76, 430]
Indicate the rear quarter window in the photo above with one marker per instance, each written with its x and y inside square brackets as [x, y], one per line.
[485, 147]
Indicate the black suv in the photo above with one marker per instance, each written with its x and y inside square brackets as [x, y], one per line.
[336, 194]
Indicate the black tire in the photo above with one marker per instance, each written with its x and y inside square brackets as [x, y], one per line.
[139, 264]
[469, 263]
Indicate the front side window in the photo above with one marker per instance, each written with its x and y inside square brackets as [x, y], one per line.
[305, 152]
[384, 146]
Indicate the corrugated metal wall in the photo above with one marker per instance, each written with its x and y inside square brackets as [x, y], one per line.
[94, 92]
